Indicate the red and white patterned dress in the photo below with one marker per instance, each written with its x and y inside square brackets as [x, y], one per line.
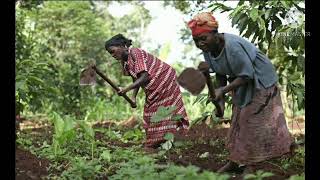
[161, 90]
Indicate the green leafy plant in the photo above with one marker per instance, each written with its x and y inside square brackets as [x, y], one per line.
[190, 173]
[297, 160]
[89, 135]
[64, 131]
[113, 134]
[259, 175]
[145, 168]
[83, 169]
[297, 177]
[169, 137]
[23, 141]
[106, 155]
[134, 135]
[201, 98]
[162, 113]
[48, 151]
[138, 168]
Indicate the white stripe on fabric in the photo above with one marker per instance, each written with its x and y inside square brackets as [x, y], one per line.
[166, 99]
[161, 84]
[153, 63]
[162, 128]
[169, 87]
[156, 76]
[144, 56]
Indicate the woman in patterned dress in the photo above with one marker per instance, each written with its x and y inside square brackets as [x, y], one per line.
[158, 80]
[258, 130]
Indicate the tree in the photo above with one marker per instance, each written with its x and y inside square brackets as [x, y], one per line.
[29, 87]
[59, 38]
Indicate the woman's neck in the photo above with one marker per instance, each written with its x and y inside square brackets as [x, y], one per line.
[218, 45]
[125, 55]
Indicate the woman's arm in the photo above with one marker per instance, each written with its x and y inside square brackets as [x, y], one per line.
[221, 79]
[142, 79]
[135, 91]
[233, 85]
[220, 104]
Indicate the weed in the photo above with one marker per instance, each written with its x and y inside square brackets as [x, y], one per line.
[259, 175]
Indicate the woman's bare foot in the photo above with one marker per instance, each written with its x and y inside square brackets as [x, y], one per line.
[228, 167]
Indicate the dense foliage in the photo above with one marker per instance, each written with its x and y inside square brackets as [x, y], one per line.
[54, 42]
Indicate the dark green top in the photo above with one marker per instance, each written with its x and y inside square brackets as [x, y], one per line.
[240, 58]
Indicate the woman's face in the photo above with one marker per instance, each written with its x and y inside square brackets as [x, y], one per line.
[118, 52]
[204, 41]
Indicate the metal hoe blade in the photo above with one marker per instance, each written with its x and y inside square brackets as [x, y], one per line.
[88, 77]
[192, 80]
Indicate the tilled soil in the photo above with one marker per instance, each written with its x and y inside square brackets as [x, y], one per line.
[208, 152]
[202, 146]
[28, 166]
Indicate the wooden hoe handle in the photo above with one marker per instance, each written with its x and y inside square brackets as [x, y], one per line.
[204, 68]
[114, 86]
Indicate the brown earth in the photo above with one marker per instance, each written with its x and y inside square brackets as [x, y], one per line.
[28, 166]
[212, 142]
[200, 140]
